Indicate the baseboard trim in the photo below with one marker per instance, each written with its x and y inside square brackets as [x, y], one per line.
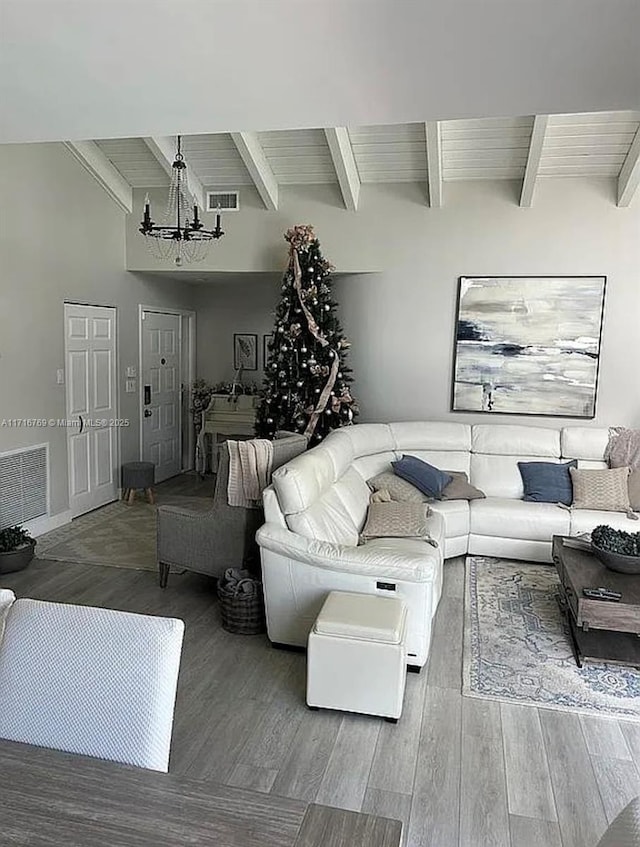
[39, 526]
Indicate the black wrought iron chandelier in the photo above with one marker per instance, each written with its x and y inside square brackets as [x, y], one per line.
[182, 236]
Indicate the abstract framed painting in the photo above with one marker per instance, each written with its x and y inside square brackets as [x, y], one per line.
[528, 345]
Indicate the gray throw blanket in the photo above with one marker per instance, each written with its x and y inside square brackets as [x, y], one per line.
[623, 449]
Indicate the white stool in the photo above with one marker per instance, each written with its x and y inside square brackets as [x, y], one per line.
[356, 658]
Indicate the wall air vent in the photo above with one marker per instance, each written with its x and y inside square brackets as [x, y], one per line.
[23, 485]
[226, 201]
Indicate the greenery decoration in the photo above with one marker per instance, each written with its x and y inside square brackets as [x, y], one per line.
[616, 540]
[14, 537]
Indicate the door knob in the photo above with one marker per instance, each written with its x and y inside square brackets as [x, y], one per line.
[147, 413]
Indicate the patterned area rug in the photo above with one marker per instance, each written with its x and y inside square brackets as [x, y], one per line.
[516, 647]
[117, 535]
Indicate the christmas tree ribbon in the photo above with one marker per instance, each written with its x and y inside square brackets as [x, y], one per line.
[324, 397]
[314, 329]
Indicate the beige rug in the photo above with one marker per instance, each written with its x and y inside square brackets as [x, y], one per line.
[517, 648]
[116, 535]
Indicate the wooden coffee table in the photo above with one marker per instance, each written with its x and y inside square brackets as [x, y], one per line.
[600, 631]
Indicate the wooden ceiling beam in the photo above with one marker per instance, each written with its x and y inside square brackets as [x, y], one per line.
[345, 165]
[532, 168]
[629, 178]
[103, 171]
[256, 162]
[434, 163]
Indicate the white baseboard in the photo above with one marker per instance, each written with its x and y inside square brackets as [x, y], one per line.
[39, 526]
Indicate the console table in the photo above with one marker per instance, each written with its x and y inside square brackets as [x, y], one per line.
[62, 800]
[227, 415]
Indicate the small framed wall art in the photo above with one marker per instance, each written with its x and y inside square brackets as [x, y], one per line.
[245, 351]
[528, 345]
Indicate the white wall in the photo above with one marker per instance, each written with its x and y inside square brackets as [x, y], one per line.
[400, 318]
[61, 238]
[241, 303]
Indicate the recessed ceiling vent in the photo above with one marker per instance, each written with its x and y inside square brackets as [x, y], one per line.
[226, 201]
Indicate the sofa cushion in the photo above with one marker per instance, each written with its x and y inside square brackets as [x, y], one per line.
[429, 479]
[547, 482]
[460, 488]
[510, 440]
[326, 520]
[506, 518]
[584, 442]
[354, 493]
[455, 514]
[304, 479]
[428, 435]
[499, 476]
[368, 466]
[398, 488]
[605, 491]
[585, 520]
[396, 520]
[455, 460]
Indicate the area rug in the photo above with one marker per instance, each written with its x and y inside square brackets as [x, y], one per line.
[116, 535]
[517, 648]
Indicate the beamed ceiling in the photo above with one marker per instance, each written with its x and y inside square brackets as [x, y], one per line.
[526, 149]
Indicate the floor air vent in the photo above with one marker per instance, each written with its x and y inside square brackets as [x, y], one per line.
[23, 485]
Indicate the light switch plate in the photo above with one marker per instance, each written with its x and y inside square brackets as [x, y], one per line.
[131, 371]
[60, 376]
[130, 386]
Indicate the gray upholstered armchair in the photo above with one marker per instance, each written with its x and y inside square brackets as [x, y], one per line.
[222, 537]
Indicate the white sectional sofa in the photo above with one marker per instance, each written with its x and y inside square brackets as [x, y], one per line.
[317, 504]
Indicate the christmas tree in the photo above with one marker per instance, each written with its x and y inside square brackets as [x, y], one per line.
[306, 385]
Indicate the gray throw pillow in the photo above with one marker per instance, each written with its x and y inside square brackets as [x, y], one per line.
[602, 490]
[396, 520]
[398, 488]
[460, 488]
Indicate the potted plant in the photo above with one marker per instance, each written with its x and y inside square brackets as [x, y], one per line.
[16, 549]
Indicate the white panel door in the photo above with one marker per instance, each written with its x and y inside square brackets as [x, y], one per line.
[90, 353]
[161, 396]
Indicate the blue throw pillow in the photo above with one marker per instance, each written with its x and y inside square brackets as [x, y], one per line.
[547, 482]
[424, 476]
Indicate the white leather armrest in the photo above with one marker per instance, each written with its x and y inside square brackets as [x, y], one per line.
[339, 557]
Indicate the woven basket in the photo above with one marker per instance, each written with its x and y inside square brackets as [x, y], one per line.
[242, 614]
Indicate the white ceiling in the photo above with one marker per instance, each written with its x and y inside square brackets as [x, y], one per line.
[79, 69]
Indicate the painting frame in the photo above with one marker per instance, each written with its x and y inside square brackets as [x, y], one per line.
[266, 340]
[245, 351]
[559, 376]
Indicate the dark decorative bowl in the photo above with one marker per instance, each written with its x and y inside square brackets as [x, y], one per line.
[17, 560]
[616, 561]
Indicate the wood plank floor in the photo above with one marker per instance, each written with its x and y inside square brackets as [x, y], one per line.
[458, 771]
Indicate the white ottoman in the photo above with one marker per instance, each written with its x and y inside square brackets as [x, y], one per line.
[356, 658]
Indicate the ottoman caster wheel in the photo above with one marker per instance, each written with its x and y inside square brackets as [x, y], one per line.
[391, 720]
[313, 708]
